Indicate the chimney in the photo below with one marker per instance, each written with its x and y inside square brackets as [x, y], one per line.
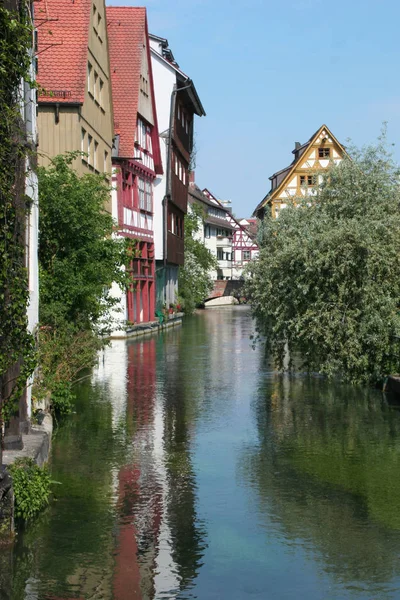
[297, 145]
[191, 178]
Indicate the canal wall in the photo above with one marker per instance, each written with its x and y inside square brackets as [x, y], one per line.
[144, 329]
[36, 445]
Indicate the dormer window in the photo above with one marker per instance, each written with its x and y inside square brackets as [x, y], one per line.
[324, 152]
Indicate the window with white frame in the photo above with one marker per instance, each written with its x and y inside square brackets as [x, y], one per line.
[148, 196]
[141, 189]
[246, 255]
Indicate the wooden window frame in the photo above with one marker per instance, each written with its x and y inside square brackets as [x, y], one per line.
[308, 180]
[324, 152]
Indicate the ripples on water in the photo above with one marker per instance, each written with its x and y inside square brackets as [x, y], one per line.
[192, 470]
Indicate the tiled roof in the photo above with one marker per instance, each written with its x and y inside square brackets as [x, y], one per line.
[126, 34]
[63, 36]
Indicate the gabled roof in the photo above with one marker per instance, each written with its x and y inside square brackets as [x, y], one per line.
[288, 171]
[235, 222]
[182, 79]
[127, 30]
[63, 38]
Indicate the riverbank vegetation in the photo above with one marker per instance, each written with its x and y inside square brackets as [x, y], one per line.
[195, 283]
[79, 259]
[31, 486]
[326, 286]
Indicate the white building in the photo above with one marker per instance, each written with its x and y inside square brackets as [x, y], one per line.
[217, 232]
[177, 102]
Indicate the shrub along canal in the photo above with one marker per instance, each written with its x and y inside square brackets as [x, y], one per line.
[192, 470]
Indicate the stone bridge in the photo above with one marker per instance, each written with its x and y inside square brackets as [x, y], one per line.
[230, 287]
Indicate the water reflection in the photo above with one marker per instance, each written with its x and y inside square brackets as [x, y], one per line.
[325, 472]
[191, 470]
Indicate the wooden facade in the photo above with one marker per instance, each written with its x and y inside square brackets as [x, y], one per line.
[181, 148]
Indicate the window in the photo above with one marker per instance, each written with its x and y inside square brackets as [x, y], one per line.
[220, 254]
[306, 180]
[148, 196]
[101, 92]
[207, 231]
[95, 86]
[90, 149]
[142, 199]
[246, 254]
[89, 78]
[83, 140]
[324, 152]
[95, 156]
[105, 161]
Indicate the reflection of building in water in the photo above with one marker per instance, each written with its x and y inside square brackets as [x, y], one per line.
[145, 567]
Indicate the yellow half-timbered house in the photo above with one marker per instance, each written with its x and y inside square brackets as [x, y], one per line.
[300, 177]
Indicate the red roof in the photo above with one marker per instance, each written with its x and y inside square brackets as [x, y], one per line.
[127, 31]
[63, 36]
[126, 34]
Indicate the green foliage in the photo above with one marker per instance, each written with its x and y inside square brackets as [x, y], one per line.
[31, 485]
[63, 353]
[326, 283]
[16, 344]
[79, 258]
[195, 282]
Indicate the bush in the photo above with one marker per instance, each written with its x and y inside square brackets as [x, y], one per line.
[31, 485]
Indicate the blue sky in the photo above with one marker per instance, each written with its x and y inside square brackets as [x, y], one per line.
[270, 73]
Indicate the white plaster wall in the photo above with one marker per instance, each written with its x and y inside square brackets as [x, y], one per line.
[164, 78]
[28, 109]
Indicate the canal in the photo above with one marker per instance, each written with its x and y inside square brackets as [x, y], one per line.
[192, 470]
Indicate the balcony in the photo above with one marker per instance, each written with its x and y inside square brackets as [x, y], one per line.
[224, 241]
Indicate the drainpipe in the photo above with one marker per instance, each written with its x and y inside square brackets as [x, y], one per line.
[168, 174]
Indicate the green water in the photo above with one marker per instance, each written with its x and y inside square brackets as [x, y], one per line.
[192, 470]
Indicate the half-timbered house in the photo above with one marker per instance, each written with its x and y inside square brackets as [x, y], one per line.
[216, 231]
[243, 242]
[303, 174]
[135, 157]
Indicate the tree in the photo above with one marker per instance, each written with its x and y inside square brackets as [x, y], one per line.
[195, 282]
[79, 257]
[327, 284]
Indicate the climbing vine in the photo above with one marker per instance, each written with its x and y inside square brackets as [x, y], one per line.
[17, 349]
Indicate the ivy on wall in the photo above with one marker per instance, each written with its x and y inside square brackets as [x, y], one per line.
[17, 349]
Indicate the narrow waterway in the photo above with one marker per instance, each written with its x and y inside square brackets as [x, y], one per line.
[192, 470]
